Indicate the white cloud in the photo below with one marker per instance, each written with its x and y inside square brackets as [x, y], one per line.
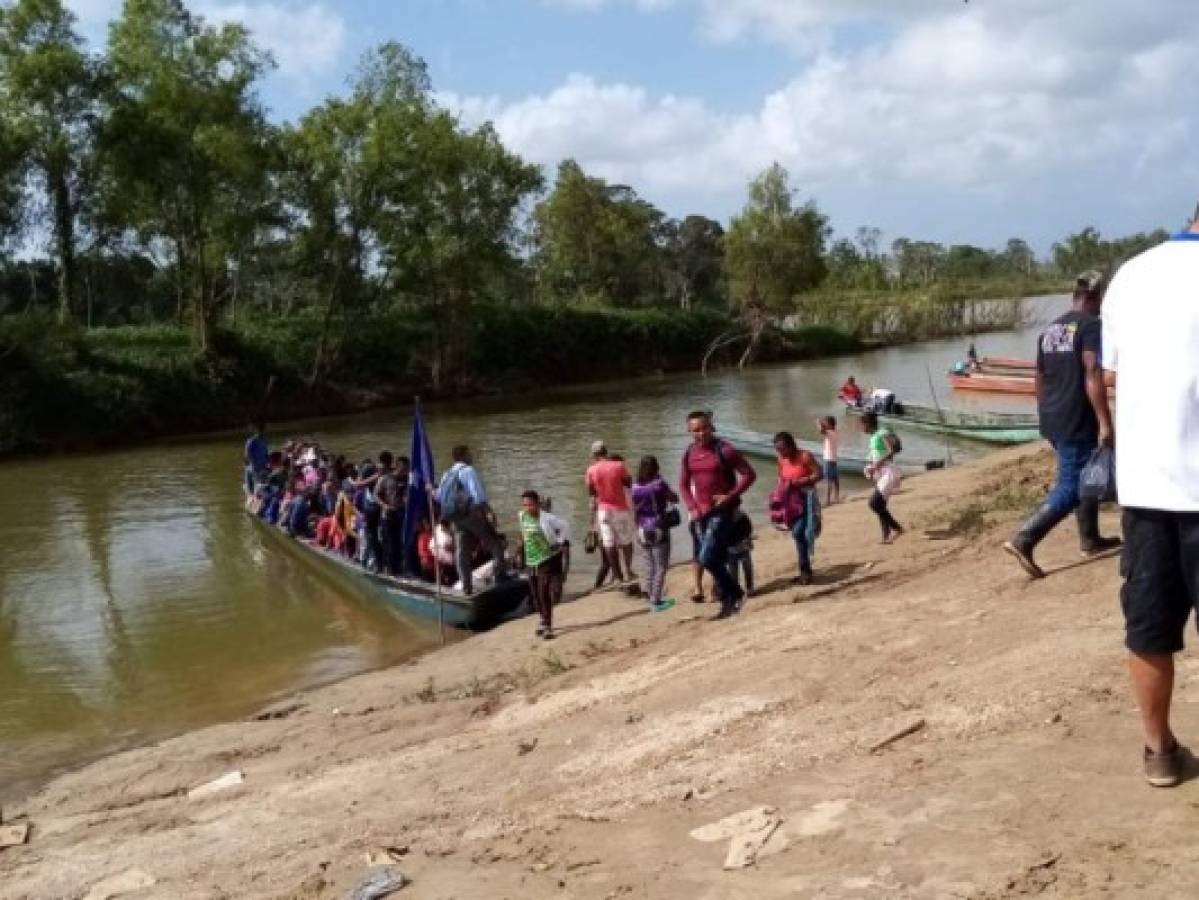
[979, 99]
[305, 38]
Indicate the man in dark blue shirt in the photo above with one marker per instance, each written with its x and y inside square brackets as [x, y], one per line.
[257, 458]
[1075, 418]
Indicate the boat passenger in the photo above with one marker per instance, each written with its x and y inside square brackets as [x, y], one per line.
[608, 481]
[972, 361]
[652, 499]
[850, 394]
[391, 493]
[545, 550]
[300, 514]
[257, 459]
[884, 473]
[1075, 418]
[712, 479]
[464, 504]
[832, 473]
[795, 497]
[741, 555]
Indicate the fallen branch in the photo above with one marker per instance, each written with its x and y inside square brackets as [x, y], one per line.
[909, 729]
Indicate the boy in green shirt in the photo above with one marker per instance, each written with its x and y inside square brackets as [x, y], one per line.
[545, 550]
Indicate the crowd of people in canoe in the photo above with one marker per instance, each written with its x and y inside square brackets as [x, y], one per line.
[369, 512]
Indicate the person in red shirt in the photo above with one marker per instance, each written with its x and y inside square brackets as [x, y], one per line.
[714, 475]
[850, 393]
[608, 483]
[798, 474]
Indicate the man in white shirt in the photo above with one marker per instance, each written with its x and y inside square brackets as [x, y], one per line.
[1151, 340]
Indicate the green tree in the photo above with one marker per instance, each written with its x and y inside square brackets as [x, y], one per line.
[774, 249]
[1018, 258]
[187, 150]
[49, 100]
[693, 253]
[592, 239]
[917, 262]
[333, 193]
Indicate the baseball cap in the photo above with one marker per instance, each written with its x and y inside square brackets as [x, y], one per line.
[598, 447]
[1090, 281]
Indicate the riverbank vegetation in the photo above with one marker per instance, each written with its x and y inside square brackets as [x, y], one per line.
[167, 247]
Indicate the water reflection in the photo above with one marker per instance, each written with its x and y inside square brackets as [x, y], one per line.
[136, 599]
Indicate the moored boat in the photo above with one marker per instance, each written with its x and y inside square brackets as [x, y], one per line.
[1009, 384]
[477, 611]
[1000, 384]
[995, 428]
[760, 445]
[1008, 362]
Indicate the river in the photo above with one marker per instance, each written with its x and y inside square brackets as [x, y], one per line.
[137, 600]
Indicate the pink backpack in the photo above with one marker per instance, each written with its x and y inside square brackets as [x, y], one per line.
[786, 504]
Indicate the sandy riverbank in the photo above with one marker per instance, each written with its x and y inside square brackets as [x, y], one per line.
[508, 767]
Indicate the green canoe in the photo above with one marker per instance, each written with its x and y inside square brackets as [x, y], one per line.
[994, 428]
[476, 612]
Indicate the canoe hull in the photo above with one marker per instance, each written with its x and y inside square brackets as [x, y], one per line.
[998, 384]
[476, 612]
[760, 446]
[992, 428]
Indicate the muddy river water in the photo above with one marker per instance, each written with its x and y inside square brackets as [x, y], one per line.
[137, 600]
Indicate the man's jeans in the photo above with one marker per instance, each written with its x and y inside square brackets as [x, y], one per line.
[475, 527]
[1072, 457]
[714, 555]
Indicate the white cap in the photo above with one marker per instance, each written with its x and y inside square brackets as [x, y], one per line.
[598, 448]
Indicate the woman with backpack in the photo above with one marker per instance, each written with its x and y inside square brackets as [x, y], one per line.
[793, 503]
[653, 506]
[883, 472]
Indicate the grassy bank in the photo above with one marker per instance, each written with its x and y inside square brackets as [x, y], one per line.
[66, 388]
[919, 313]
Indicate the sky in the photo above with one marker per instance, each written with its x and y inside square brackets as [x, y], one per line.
[960, 121]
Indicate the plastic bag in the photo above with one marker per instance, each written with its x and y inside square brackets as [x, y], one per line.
[1098, 478]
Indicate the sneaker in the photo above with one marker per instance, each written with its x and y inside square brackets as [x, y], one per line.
[698, 598]
[1024, 557]
[660, 605]
[549, 635]
[541, 630]
[803, 579]
[1165, 769]
[1100, 545]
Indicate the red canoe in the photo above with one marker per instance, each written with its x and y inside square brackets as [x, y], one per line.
[1008, 362]
[1008, 384]
[1002, 384]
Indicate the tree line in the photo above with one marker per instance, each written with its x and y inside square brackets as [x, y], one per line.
[144, 183]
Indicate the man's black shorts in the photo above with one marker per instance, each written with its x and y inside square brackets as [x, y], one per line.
[1160, 566]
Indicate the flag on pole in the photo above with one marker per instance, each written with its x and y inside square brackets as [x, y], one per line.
[421, 482]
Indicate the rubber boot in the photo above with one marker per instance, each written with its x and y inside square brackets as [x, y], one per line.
[1031, 533]
[1090, 541]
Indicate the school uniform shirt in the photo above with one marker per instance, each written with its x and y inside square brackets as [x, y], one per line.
[1151, 342]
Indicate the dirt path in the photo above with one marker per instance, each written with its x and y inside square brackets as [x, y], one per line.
[506, 767]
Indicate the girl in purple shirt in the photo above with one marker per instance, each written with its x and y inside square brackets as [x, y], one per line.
[652, 498]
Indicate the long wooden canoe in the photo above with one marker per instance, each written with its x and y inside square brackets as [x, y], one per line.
[477, 611]
[1008, 362]
[760, 445]
[1001, 384]
[1010, 384]
[994, 428]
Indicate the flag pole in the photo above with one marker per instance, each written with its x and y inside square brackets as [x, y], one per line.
[432, 536]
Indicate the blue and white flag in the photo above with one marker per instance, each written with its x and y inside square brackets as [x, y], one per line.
[422, 480]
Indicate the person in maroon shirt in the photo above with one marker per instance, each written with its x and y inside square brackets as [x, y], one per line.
[713, 478]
